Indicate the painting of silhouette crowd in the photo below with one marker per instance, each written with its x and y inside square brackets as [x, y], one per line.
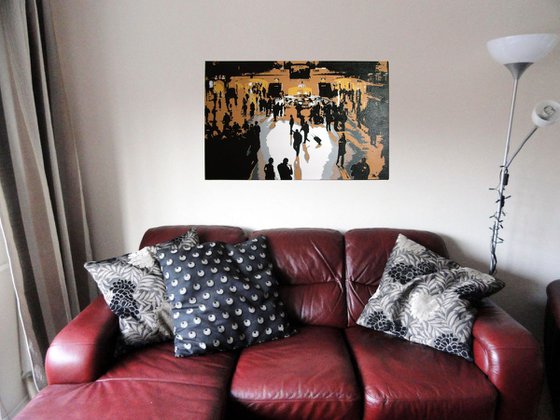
[297, 120]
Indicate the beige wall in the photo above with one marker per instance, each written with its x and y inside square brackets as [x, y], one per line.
[134, 73]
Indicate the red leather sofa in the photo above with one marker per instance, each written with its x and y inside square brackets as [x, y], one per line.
[331, 369]
[552, 343]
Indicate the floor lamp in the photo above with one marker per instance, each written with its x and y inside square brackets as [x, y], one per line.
[517, 53]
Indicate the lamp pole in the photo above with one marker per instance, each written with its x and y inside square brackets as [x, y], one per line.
[517, 53]
[516, 70]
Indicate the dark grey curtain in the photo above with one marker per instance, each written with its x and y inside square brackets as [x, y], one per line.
[42, 211]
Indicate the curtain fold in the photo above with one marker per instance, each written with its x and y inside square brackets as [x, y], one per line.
[42, 210]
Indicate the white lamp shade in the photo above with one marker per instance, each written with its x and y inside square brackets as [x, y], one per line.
[546, 113]
[521, 48]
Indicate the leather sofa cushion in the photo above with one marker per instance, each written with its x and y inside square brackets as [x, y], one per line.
[310, 267]
[367, 251]
[309, 375]
[158, 362]
[404, 380]
[125, 400]
[148, 383]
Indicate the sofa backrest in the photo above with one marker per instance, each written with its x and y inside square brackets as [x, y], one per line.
[228, 234]
[367, 251]
[326, 277]
[310, 266]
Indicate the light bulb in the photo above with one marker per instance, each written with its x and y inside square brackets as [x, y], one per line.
[546, 113]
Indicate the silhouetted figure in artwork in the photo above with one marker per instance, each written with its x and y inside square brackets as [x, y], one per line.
[342, 120]
[365, 170]
[329, 121]
[253, 141]
[269, 170]
[252, 110]
[359, 116]
[291, 124]
[360, 170]
[257, 129]
[341, 150]
[284, 170]
[305, 129]
[226, 119]
[297, 141]
[298, 109]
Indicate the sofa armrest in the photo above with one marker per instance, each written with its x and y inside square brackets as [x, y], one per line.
[552, 343]
[84, 348]
[553, 302]
[511, 358]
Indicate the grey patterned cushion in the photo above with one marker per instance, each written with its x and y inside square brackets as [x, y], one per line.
[133, 287]
[427, 299]
[223, 297]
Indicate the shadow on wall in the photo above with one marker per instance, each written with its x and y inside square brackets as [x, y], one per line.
[107, 236]
[523, 298]
[96, 137]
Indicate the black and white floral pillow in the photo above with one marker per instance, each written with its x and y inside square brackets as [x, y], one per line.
[223, 297]
[133, 287]
[427, 299]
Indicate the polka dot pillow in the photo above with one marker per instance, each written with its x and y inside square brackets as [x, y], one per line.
[223, 297]
[427, 299]
[133, 287]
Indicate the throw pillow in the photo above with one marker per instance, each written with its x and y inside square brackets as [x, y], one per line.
[223, 297]
[427, 299]
[133, 287]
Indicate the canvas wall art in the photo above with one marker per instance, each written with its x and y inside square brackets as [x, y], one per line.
[297, 120]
